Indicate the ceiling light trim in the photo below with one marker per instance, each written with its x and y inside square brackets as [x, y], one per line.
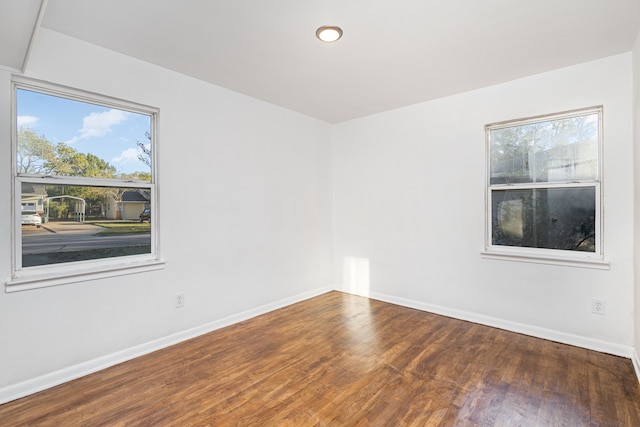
[329, 33]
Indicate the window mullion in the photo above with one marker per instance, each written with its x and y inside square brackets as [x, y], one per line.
[574, 184]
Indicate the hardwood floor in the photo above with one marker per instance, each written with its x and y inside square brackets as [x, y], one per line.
[343, 360]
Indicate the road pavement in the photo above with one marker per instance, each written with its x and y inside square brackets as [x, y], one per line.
[74, 236]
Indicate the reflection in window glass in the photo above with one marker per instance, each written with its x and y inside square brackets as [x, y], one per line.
[554, 218]
[79, 223]
[543, 186]
[563, 149]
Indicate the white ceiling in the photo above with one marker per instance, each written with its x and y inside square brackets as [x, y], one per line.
[17, 24]
[393, 53]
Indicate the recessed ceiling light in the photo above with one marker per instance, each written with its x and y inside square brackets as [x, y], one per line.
[329, 33]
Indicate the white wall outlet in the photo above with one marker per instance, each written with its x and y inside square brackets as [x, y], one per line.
[598, 306]
[179, 299]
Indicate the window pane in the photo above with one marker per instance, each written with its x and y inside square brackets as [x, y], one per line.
[564, 149]
[63, 137]
[554, 218]
[66, 223]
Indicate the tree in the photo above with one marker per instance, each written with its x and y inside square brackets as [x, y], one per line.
[67, 161]
[70, 162]
[135, 176]
[145, 155]
[34, 153]
[98, 168]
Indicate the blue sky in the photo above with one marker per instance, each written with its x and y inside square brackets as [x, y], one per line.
[108, 133]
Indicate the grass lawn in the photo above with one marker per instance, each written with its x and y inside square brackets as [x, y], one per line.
[123, 227]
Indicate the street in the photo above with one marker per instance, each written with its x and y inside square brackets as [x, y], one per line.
[61, 237]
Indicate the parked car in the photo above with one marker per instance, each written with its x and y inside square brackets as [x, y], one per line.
[31, 218]
[145, 215]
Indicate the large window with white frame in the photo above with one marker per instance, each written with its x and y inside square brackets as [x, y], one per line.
[544, 187]
[85, 187]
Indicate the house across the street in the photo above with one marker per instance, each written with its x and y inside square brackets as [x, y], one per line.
[131, 203]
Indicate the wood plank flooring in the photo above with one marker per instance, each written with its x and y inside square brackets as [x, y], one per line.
[343, 360]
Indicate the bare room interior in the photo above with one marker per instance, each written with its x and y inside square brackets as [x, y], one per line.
[367, 212]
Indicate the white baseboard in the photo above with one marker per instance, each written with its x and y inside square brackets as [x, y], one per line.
[25, 388]
[61, 376]
[534, 331]
[636, 363]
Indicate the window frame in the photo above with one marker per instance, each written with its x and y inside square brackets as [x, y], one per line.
[24, 278]
[542, 255]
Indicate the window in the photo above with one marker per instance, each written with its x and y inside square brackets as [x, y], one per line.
[84, 172]
[544, 188]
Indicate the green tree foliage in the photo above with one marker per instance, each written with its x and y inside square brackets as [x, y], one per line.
[34, 153]
[97, 168]
[69, 162]
[135, 176]
[38, 156]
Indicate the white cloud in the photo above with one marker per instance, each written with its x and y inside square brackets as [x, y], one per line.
[127, 156]
[99, 124]
[26, 121]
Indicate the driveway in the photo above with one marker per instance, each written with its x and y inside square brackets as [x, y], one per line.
[71, 227]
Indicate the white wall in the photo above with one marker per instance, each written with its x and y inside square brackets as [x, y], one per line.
[409, 198]
[407, 201]
[261, 176]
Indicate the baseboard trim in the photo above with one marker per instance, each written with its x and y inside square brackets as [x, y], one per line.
[26, 388]
[534, 331]
[635, 359]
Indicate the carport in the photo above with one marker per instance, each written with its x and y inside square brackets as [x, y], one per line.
[78, 213]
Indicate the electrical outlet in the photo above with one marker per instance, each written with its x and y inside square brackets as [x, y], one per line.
[598, 306]
[179, 299]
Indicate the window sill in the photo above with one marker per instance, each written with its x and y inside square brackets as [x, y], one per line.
[42, 281]
[599, 264]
